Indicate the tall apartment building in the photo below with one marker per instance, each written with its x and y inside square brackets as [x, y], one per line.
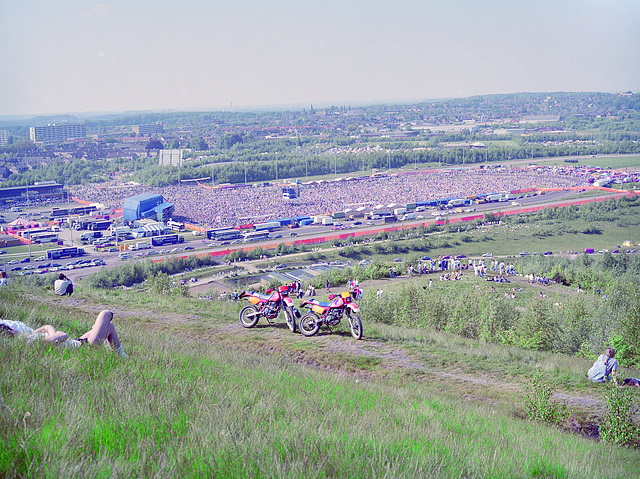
[148, 130]
[57, 132]
[4, 137]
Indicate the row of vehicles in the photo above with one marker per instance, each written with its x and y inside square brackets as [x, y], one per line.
[49, 267]
[319, 313]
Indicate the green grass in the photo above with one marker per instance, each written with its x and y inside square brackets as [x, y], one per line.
[183, 408]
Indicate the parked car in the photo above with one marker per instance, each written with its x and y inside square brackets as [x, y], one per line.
[41, 258]
[487, 255]
[525, 253]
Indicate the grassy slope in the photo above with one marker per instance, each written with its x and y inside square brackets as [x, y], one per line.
[218, 405]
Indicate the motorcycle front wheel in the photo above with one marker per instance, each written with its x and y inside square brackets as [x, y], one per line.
[249, 316]
[310, 324]
[291, 319]
[356, 326]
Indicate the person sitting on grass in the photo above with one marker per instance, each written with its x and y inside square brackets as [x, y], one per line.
[101, 331]
[63, 285]
[604, 368]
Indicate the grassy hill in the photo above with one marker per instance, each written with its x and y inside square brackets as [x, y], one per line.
[201, 396]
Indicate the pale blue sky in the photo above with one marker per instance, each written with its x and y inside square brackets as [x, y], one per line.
[82, 56]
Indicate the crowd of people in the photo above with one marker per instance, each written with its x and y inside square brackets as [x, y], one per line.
[217, 207]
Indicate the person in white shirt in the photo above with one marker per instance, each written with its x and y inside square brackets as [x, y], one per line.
[63, 285]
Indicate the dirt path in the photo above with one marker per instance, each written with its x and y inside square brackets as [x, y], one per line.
[327, 346]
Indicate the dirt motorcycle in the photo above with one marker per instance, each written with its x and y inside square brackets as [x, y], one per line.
[269, 306]
[330, 314]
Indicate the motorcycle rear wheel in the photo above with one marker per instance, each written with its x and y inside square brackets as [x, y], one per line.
[310, 324]
[291, 319]
[249, 316]
[356, 326]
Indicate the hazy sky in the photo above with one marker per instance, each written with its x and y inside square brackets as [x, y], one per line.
[59, 56]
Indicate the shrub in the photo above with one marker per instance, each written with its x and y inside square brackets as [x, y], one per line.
[536, 327]
[540, 405]
[618, 427]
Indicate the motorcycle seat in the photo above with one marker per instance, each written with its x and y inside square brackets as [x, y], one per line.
[318, 303]
[261, 296]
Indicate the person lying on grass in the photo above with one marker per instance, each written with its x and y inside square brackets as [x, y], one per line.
[101, 331]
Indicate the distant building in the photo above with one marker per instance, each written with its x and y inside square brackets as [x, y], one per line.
[4, 137]
[170, 157]
[57, 133]
[148, 130]
[540, 119]
[43, 189]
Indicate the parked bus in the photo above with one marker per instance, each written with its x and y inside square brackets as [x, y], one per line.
[45, 237]
[166, 239]
[256, 236]
[175, 225]
[59, 253]
[268, 226]
[82, 210]
[59, 212]
[223, 234]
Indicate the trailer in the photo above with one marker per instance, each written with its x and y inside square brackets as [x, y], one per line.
[269, 226]
[456, 202]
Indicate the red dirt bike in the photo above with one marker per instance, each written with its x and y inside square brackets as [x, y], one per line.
[329, 314]
[268, 306]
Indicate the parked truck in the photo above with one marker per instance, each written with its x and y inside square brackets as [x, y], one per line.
[120, 230]
[139, 246]
[89, 237]
[327, 221]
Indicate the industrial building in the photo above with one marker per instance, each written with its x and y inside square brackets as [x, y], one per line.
[147, 205]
